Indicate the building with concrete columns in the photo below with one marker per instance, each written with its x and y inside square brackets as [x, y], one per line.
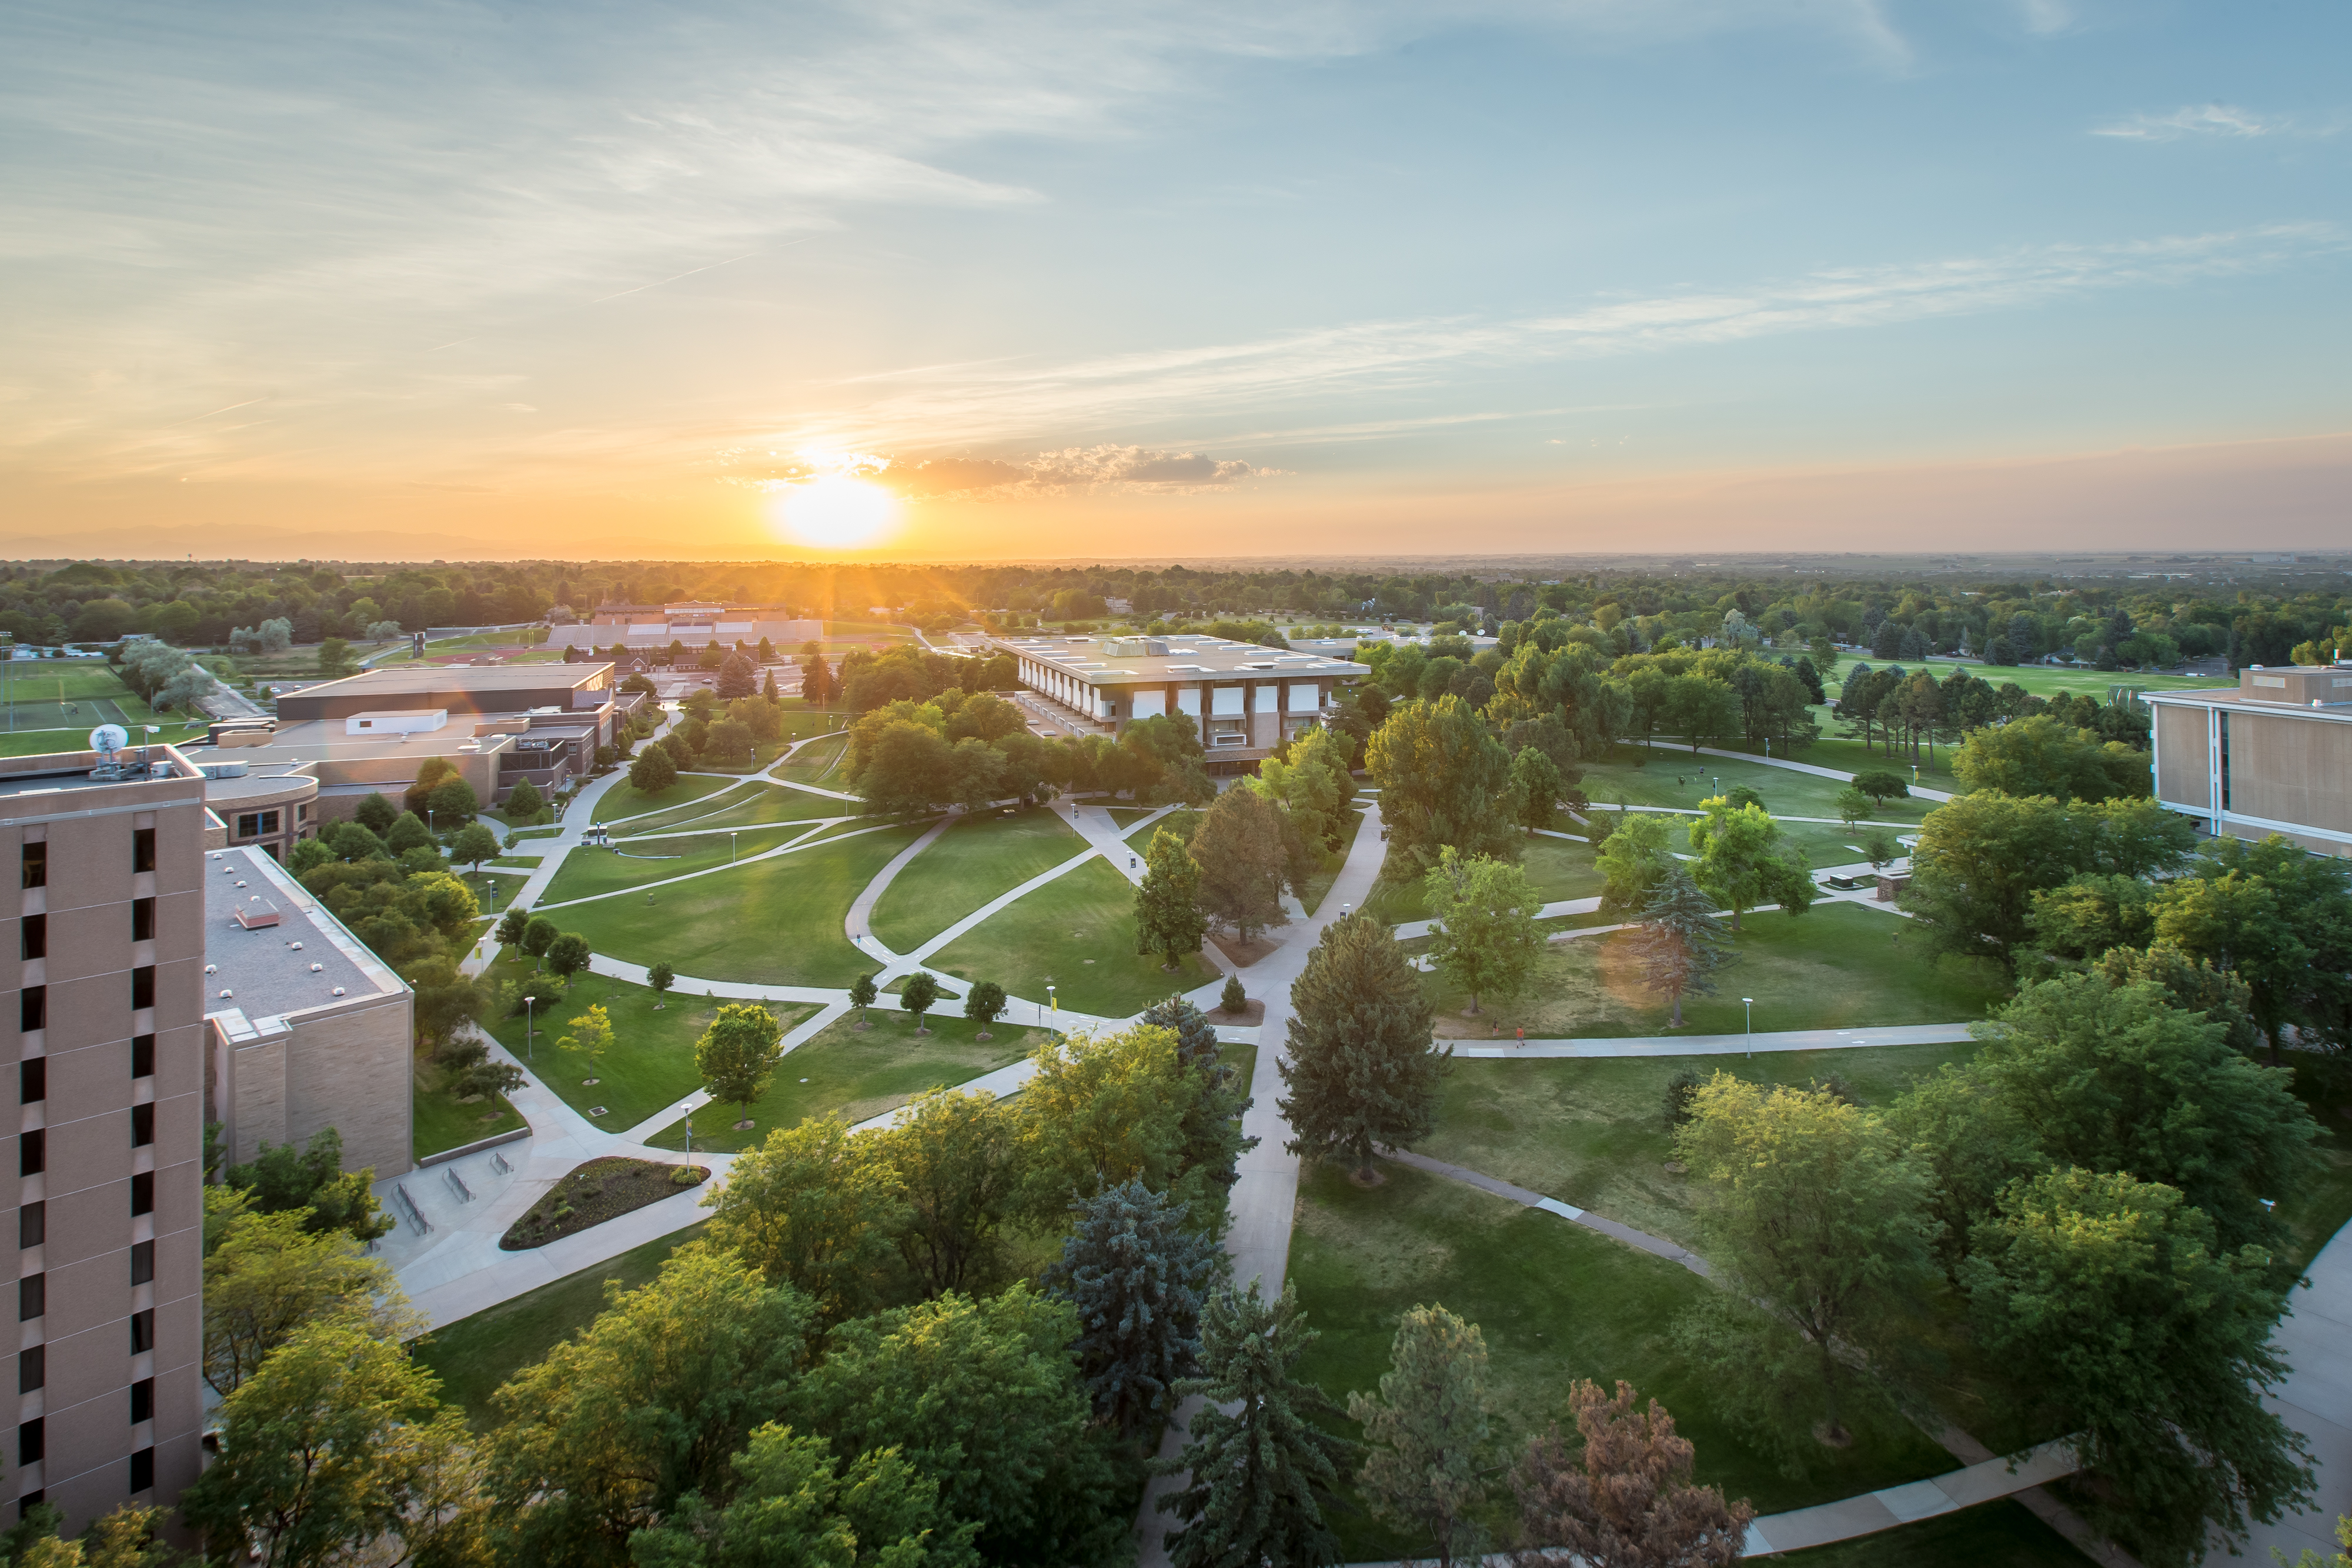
[2272, 756]
[1245, 697]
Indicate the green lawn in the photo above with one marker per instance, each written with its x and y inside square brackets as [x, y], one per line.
[1050, 934]
[1181, 822]
[625, 799]
[2049, 680]
[1127, 816]
[1835, 966]
[1557, 869]
[802, 723]
[650, 1064]
[1554, 1302]
[773, 803]
[691, 810]
[474, 1355]
[862, 1073]
[773, 922]
[982, 856]
[440, 1123]
[590, 869]
[1674, 777]
[817, 763]
[1593, 1133]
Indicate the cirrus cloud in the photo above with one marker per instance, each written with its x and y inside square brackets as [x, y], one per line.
[2195, 119]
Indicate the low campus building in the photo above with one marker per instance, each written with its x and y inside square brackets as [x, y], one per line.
[337, 743]
[695, 623]
[308, 1030]
[1246, 698]
[2272, 756]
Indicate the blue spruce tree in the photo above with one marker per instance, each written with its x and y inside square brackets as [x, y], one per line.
[1137, 1277]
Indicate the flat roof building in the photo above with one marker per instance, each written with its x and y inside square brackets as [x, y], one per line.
[1245, 697]
[461, 688]
[107, 1030]
[309, 1028]
[2272, 756]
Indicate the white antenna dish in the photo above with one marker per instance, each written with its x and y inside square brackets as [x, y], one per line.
[108, 739]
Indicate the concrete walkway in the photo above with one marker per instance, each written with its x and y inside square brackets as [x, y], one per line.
[1264, 1197]
[2316, 1337]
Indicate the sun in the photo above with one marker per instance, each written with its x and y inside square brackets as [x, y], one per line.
[836, 512]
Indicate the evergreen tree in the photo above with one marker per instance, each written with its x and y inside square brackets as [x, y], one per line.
[1167, 904]
[1262, 1468]
[1680, 942]
[1136, 1276]
[736, 678]
[1362, 1069]
[1212, 1124]
[1626, 1499]
[1428, 1432]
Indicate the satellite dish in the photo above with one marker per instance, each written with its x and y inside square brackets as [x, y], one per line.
[108, 739]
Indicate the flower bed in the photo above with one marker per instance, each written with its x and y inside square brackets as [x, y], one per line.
[595, 1192]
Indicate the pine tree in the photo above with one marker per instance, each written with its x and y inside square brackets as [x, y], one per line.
[1362, 1067]
[1428, 1432]
[1680, 942]
[1167, 904]
[1212, 1124]
[1626, 1498]
[1136, 1276]
[1262, 1467]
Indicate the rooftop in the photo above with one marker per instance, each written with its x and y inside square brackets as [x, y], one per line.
[1107, 660]
[324, 740]
[408, 680]
[57, 772]
[264, 972]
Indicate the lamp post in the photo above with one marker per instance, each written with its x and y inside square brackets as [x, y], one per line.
[530, 1028]
[730, 846]
[1053, 1001]
[1750, 1003]
[689, 1137]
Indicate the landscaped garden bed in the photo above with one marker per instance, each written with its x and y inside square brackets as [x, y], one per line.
[595, 1192]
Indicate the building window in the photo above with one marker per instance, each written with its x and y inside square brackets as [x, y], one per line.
[142, 1124]
[143, 920]
[37, 865]
[143, 1408]
[33, 1008]
[255, 824]
[31, 1441]
[143, 1193]
[32, 1152]
[143, 1262]
[35, 929]
[142, 1332]
[32, 1369]
[142, 986]
[142, 1470]
[32, 1081]
[143, 849]
[142, 1056]
[32, 1224]
[2225, 762]
[31, 1297]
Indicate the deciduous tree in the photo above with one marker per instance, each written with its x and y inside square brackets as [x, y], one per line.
[983, 1005]
[592, 1032]
[862, 992]
[2039, 755]
[737, 1055]
[1483, 935]
[1536, 788]
[920, 995]
[1632, 860]
[816, 1209]
[652, 772]
[2111, 1301]
[1444, 779]
[955, 1159]
[1743, 862]
[266, 1277]
[1815, 1214]
[1102, 1110]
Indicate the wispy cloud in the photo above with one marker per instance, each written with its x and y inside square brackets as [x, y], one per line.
[2196, 119]
[1071, 469]
[1003, 400]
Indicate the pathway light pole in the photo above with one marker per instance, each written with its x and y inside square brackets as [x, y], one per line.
[530, 1027]
[689, 1137]
[730, 846]
[1750, 1003]
[1052, 1001]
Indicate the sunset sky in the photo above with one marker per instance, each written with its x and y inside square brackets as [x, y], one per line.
[963, 281]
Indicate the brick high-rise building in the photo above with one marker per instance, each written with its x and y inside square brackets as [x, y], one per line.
[107, 1030]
